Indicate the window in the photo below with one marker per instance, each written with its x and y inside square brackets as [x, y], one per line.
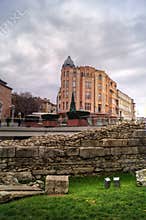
[110, 110]
[67, 94]
[99, 86]
[88, 84]
[74, 74]
[87, 106]
[67, 74]
[73, 83]
[66, 105]
[74, 89]
[99, 108]
[110, 100]
[82, 74]
[81, 106]
[111, 92]
[100, 77]
[67, 83]
[106, 98]
[63, 105]
[99, 96]
[88, 95]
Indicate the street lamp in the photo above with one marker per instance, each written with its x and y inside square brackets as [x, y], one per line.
[19, 119]
[13, 111]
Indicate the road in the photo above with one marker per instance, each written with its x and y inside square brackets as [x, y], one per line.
[27, 132]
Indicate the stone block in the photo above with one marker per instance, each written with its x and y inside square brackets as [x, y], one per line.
[115, 142]
[11, 152]
[141, 177]
[90, 143]
[107, 150]
[134, 142]
[142, 149]
[124, 150]
[56, 184]
[91, 152]
[139, 133]
[143, 141]
[43, 172]
[3, 166]
[131, 150]
[51, 152]
[72, 151]
[27, 152]
[4, 196]
[8, 178]
[24, 176]
[7, 152]
[83, 170]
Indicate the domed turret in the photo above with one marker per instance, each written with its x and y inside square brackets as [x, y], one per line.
[68, 62]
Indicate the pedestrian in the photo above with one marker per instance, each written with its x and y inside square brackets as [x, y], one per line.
[19, 122]
[8, 121]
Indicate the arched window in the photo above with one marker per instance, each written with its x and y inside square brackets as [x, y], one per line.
[100, 77]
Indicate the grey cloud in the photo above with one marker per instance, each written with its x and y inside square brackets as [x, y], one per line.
[109, 36]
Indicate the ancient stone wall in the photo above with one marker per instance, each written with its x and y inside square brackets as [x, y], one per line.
[119, 148]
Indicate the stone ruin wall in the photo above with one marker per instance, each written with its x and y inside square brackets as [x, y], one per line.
[119, 148]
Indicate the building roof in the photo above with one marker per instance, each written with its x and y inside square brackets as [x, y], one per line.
[68, 62]
[3, 83]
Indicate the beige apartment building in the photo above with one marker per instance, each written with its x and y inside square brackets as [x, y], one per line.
[93, 90]
[47, 106]
[126, 106]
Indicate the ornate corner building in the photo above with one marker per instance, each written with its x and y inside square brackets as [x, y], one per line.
[5, 100]
[93, 90]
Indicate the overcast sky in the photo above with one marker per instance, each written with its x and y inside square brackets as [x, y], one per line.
[36, 36]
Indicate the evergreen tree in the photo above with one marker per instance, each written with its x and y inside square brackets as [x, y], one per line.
[72, 104]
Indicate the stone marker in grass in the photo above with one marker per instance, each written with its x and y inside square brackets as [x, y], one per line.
[116, 181]
[107, 182]
[141, 177]
[56, 184]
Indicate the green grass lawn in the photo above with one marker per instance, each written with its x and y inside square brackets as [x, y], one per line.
[87, 199]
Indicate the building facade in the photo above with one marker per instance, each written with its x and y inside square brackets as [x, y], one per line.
[5, 100]
[126, 106]
[47, 106]
[93, 90]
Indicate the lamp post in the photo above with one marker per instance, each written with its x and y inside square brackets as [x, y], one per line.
[13, 111]
[19, 119]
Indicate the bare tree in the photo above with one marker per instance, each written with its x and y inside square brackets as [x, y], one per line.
[25, 103]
